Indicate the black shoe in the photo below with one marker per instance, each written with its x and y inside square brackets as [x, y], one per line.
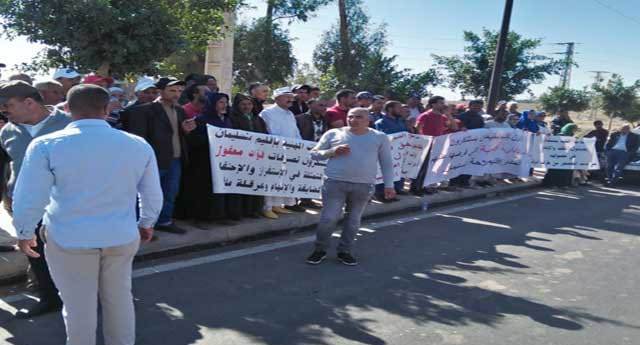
[316, 257]
[296, 208]
[382, 199]
[40, 308]
[310, 204]
[171, 228]
[347, 259]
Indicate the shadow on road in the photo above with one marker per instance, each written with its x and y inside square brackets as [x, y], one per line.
[274, 298]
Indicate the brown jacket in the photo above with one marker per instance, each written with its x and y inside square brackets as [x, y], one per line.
[305, 125]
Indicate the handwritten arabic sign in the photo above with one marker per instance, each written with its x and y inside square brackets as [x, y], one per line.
[407, 154]
[260, 164]
[559, 152]
[478, 152]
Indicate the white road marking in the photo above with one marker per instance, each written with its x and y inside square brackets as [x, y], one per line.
[370, 226]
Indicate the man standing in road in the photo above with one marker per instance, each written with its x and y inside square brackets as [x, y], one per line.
[29, 118]
[163, 125]
[354, 153]
[84, 180]
[312, 125]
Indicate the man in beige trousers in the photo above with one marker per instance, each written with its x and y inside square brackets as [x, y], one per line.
[85, 179]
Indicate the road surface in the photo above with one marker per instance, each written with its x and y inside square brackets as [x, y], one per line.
[546, 267]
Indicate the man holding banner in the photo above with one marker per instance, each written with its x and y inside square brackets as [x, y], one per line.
[354, 153]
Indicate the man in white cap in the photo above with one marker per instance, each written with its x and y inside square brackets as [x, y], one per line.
[281, 121]
[146, 91]
[68, 77]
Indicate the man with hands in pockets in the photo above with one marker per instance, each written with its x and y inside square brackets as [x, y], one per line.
[354, 153]
[86, 188]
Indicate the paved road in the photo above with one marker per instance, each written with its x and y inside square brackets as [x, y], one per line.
[556, 267]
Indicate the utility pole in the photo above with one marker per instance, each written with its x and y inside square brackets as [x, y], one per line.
[565, 78]
[498, 64]
[598, 79]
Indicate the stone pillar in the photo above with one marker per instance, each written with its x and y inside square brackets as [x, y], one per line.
[219, 57]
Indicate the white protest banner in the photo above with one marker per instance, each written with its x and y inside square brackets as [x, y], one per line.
[396, 142]
[415, 152]
[478, 152]
[259, 164]
[408, 151]
[561, 152]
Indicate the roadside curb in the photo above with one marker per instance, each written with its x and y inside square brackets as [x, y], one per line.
[13, 265]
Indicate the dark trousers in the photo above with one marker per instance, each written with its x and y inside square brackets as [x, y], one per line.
[417, 184]
[46, 288]
[616, 161]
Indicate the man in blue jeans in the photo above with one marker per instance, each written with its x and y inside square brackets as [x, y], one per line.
[621, 149]
[162, 123]
[392, 122]
[354, 153]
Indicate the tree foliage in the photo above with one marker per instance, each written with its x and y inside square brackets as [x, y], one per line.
[471, 72]
[559, 98]
[250, 64]
[367, 67]
[113, 36]
[618, 100]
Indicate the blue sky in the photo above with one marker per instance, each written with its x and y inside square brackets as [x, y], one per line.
[607, 30]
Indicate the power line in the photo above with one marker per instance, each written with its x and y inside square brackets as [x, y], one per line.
[613, 9]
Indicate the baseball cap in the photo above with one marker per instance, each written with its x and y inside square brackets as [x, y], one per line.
[68, 73]
[364, 95]
[301, 86]
[144, 84]
[163, 82]
[282, 91]
[16, 88]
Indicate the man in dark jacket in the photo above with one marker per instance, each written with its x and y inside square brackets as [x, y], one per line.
[299, 105]
[162, 124]
[312, 124]
[621, 149]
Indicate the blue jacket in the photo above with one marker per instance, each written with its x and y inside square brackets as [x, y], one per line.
[390, 125]
[528, 125]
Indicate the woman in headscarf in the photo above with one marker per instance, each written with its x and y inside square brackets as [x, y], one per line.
[243, 118]
[561, 177]
[198, 200]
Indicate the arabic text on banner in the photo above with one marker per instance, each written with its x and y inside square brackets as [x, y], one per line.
[408, 151]
[478, 152]
[560, 152]
[259, 164]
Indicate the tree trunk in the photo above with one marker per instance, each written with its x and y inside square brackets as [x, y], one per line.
[268, 38]
[343, 66]
[610, 122]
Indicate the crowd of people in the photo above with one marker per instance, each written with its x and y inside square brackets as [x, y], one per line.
[163, 147]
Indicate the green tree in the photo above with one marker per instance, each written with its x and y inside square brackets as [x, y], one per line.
[250, 63]
[364, 66]
[559, 98]
[112, 37]
[304, 74]
[618, 100]
[262, 48]
[471, 72]
[365, 40]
